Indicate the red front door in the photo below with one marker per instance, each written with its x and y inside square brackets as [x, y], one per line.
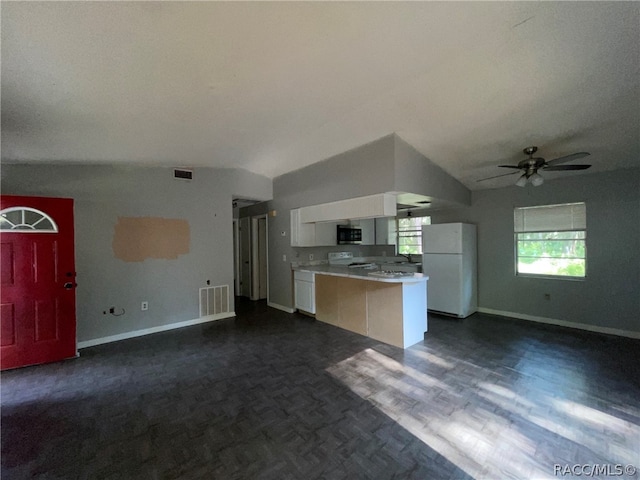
[38, 313]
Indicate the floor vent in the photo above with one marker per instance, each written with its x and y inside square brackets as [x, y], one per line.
[214, 300]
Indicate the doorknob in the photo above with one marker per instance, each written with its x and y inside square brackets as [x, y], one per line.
[70, 285]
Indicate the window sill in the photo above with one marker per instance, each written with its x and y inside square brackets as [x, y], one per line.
[551, 277]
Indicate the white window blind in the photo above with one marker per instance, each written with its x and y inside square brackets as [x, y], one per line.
[410, 234]
[551, 218]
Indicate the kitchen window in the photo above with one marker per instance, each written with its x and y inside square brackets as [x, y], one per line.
[410, 234]
[550, 240]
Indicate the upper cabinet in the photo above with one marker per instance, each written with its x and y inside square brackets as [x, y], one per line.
[316, 225]
[311, 234]
[302, 234]
[375, 231]
[326, 233]
[368, 227]
[386, 231]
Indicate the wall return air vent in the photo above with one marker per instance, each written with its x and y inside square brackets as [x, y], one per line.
[183, 174]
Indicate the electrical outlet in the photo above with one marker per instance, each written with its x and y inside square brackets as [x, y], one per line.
[144, 306]
[284, 258]
[311, 256]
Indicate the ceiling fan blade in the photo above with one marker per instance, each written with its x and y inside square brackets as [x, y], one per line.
[496, 176]
[568, 158]
[510, 166]
[565, 167]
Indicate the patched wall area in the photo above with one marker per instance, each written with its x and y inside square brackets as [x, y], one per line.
[137, 238]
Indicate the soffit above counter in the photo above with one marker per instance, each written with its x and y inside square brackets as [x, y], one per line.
[389, 204]
[370, 206]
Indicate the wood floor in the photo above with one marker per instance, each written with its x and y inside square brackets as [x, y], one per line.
[270, 395]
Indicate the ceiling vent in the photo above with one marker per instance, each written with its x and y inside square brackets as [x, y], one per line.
[402, 206]
[182, 174]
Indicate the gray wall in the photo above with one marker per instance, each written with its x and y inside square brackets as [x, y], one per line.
[104, 193]
[365, 170]
[416, 174]
[610, 294]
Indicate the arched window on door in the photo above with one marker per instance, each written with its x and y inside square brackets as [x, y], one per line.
[25, 220]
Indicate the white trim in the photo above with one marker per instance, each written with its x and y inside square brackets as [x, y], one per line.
[148, 331]
[563, 323]
[245, 241]
[281, 307]
[236, 257]
[255, 256]
[254, 259]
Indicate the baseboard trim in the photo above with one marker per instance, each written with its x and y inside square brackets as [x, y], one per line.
[148, 331]
[563, 323]
[281, 307]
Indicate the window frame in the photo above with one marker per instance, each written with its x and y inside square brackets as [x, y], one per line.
[550, 275]
[418, 231]
[23, 210]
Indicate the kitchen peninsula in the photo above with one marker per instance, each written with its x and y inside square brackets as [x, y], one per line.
[387, 306]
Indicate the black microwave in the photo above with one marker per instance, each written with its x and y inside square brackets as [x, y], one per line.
[349, 235]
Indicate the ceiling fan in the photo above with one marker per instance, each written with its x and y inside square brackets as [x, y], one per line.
[531, 165]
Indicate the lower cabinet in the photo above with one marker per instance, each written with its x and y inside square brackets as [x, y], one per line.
[384, 304]
[342, 302]
[305, 291]
[393, 313]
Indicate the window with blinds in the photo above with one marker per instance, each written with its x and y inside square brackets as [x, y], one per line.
[550, 240]
[410, 234]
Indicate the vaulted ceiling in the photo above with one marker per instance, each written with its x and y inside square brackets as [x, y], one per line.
[272, 87]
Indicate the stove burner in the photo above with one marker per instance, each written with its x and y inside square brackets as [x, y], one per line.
[391, 274]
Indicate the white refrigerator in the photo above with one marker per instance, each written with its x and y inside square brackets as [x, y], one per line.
[449, 258]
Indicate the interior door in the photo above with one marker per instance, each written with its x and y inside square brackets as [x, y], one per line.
[262, 257]
[38, 312]
[259, 258]
[236, 258]
[245, 257]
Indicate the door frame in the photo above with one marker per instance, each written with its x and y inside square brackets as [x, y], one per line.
[255, 256]
[61, 213]
[244, 226]
[236, 256]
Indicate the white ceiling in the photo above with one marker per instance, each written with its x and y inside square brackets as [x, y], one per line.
[272, 87]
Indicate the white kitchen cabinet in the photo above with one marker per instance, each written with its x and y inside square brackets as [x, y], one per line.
[326, 234]
[368, 227]
[302, 234]
[305, 291]
[385, 231]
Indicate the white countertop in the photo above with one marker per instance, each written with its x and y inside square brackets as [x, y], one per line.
[360, 273]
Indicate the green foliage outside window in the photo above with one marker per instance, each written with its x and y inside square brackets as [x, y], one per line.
[552, 253]
[410, 234]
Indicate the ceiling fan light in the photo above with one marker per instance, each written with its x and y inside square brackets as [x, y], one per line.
[536, 180]
[522, 181]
